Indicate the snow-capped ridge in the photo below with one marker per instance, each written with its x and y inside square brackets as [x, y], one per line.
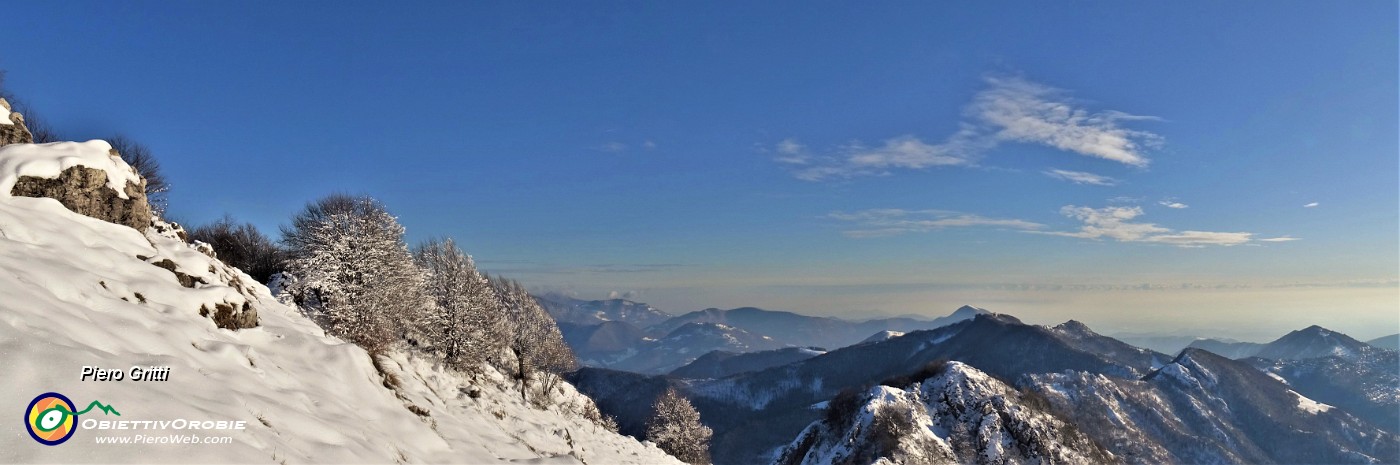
[959, 415]
[883, 336]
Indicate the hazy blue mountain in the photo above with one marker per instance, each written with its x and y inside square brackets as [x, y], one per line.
[1312, 342]
[604, 343]
[1228, 348]
[719, 364]
[687, 343]
[1391, 342]
[566, 309]
[806, 331]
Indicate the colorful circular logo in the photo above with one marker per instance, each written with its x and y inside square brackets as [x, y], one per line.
[50, 418]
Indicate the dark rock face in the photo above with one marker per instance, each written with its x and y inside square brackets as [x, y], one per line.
[231, 316]
[15, 133]
[84, 190]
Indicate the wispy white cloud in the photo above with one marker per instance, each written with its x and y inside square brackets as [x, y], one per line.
[649, 144]
[791, 152]
[1024, 111]
[1010, 109]
[1280, 239]
[613, 147]
[1080, 177]
[1169, 203]
[903, 152]
[790, 146]
[1117, 223]
[1310, 205]
[894, 222]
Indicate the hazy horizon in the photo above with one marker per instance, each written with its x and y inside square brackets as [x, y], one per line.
[1210, 169]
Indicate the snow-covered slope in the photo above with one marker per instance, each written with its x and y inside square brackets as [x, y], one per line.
[960, 415]
[76, 291]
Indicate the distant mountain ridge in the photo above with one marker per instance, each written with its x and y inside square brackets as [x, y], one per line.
[566, 309]
[1312, 342]
[603, 333]
[719, 364]
[802, 330]
[1228, 348]
[1391, 342]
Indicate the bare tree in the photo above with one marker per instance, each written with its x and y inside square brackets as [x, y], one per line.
[540, 351]
[242, 246]
[139, 157]
[465, 324]
[676, 429]
[352, 270]
[38, 127]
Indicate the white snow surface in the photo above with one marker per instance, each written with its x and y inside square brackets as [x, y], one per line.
[883, 336]
[49, 160]
[1311, 406]
[73, 293]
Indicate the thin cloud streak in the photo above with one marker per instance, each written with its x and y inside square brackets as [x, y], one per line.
[1010, 109]
[1117, 223]
[1080, 177]
[893, 222]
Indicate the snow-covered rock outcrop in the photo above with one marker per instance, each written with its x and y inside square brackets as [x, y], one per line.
[959, 415]
[12, 129]
[86, 177]
[80, 292]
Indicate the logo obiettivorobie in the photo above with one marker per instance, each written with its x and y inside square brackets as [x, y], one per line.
[51, 418]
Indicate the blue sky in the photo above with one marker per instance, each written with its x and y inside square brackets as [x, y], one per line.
[827, 158]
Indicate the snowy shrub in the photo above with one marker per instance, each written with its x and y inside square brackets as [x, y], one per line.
[676, 429]
[465, 324]
[354, 272]
[242, 246]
